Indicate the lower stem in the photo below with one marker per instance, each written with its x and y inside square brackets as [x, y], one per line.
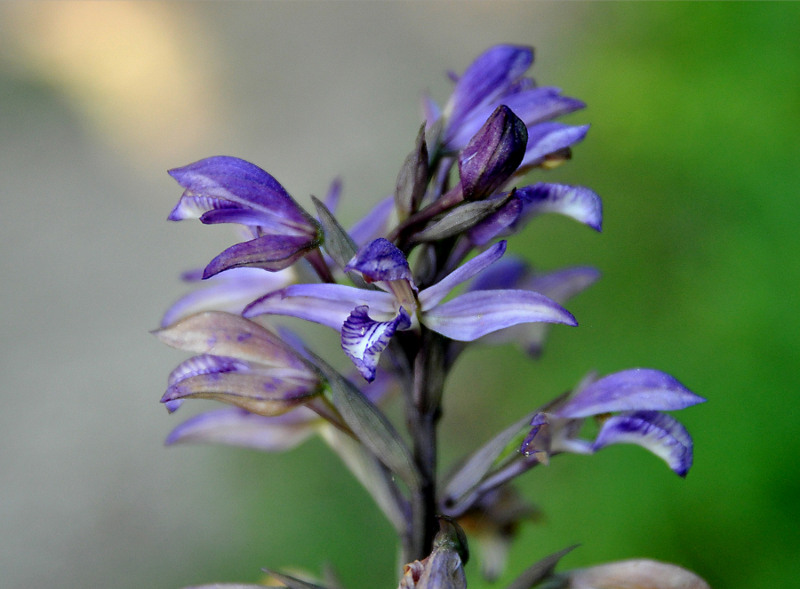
[423, 412]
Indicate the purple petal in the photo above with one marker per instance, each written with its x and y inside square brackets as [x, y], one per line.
[486, 80]
[507, 273]
[658, 432]
[223, 334]
[333, 195]
[230, 291]
[547, 138]
[474, 314]
[270, 252]
[577, 202]
[380, 260]
[630, 390]
[538, 105]
[363, 339]
[326, 304]
[532, 105]
[235, 180]
[430, 297]
[563, 284]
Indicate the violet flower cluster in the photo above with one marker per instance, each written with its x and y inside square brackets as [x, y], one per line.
[423, 276]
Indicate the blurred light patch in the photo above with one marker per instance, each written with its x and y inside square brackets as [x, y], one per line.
[143, 74]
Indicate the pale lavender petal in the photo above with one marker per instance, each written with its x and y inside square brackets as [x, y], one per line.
[474, 314]
[658, 432]
[431, 296]
[270, 252]
[374, 223]
[577, 202]
[229, 291]
[487, 79]
[237, 427]
[363, 339]
[547, 138]
[380, 260]
[326, 304]
[630, 390]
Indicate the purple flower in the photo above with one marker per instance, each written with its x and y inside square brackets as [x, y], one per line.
[496, 78]
[367, 319]
[240, 363]
[636, 399]
[226, 189]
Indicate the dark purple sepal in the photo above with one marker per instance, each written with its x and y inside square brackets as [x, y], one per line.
[363, 339]
[380, 260]
[493, 154]
[270, 252]
[630, 390]
[658, 432]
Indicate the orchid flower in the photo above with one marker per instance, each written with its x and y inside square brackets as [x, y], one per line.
[367, 319]
[630, 405]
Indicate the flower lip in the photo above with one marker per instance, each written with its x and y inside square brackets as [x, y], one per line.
[380, 260]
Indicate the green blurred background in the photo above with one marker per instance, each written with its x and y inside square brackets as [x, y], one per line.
[694, 110]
